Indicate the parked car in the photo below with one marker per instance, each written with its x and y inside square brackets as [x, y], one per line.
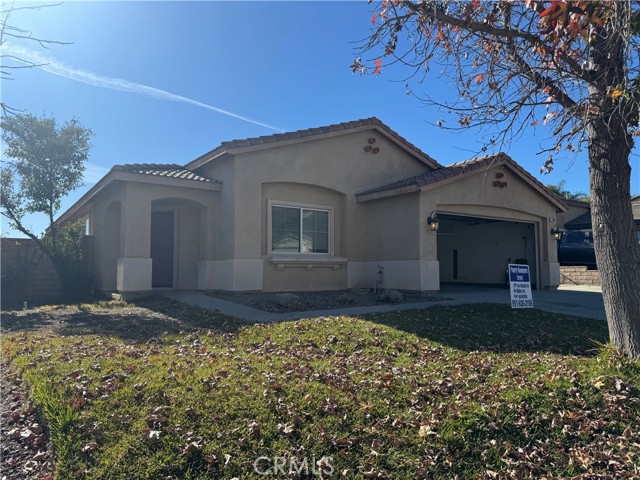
[576, 248]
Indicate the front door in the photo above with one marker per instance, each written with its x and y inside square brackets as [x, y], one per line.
[162, 249]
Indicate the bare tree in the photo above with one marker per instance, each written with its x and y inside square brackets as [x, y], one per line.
[9, 63]
[572, 66]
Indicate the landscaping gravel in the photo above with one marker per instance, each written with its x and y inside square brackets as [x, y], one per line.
[328, 300]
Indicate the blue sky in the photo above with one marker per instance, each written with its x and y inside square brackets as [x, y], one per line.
[281, 64]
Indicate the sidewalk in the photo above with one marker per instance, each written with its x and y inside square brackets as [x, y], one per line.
[581, 303]
[581, 288]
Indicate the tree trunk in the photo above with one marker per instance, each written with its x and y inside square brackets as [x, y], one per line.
[616, 244]
[610, 144]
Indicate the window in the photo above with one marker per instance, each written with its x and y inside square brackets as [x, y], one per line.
[299, 230]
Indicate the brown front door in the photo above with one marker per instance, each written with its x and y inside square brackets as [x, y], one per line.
[162, 249]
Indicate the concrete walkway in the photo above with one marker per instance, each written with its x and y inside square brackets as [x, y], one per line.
[581, 303]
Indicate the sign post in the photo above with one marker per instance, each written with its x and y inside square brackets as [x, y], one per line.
[520, 284]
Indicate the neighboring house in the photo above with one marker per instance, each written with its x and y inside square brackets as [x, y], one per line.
[327, 208]
[635, 208]
[575, 209]
[578, 215]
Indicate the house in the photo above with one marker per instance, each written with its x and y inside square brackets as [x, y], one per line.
[578, 215]
[575, 209]
[335, 207]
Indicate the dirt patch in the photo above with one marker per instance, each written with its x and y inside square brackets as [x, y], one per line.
[61, 316]
[329, 300]
[140, 321]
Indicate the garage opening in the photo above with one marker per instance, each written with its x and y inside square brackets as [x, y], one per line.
[476, 251]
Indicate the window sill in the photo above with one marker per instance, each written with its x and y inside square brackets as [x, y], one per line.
[307, 262]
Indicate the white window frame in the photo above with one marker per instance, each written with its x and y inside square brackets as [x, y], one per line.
[301, 206]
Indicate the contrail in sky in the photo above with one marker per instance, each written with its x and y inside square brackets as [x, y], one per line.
[60, 69]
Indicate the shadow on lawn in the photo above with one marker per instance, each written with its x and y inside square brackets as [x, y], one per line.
[467, 327]
[499, 328]
[139, 321]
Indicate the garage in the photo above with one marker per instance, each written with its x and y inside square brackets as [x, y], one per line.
[476, 250]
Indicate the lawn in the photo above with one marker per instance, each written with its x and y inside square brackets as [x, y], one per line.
[476, 391]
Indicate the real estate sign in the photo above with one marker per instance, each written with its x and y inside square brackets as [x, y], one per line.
[520, 283]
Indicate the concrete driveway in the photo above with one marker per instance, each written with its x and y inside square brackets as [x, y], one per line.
[571, 300]
[582, 302]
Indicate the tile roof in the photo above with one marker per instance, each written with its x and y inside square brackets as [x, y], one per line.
[580, 222]
[310, 132]
[437, 175]
[458, 169]
[583, 222]
[162, 170]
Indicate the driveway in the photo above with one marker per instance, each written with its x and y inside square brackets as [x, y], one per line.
[579, 301]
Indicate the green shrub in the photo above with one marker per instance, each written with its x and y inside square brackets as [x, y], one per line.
[69, 258]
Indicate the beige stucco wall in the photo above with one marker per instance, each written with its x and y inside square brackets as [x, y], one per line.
[392, 226]
[301, 278]
[337, 163]
[323, 172]
[223, 169]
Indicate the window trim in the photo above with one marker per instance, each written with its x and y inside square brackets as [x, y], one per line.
[301, 206]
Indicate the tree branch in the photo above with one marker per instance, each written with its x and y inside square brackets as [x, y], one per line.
[17, 224]
[540, 80]
[499, 32]
[473, 26]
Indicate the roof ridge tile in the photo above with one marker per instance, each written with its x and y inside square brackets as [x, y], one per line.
[458, 168]
[169, 170]
[296, 134]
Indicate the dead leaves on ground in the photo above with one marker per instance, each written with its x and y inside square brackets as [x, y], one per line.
[382, 403]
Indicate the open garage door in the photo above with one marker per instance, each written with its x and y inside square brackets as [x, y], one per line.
[474, 250]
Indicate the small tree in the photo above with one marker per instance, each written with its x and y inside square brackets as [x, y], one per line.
[573, 66]
[45, 162]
